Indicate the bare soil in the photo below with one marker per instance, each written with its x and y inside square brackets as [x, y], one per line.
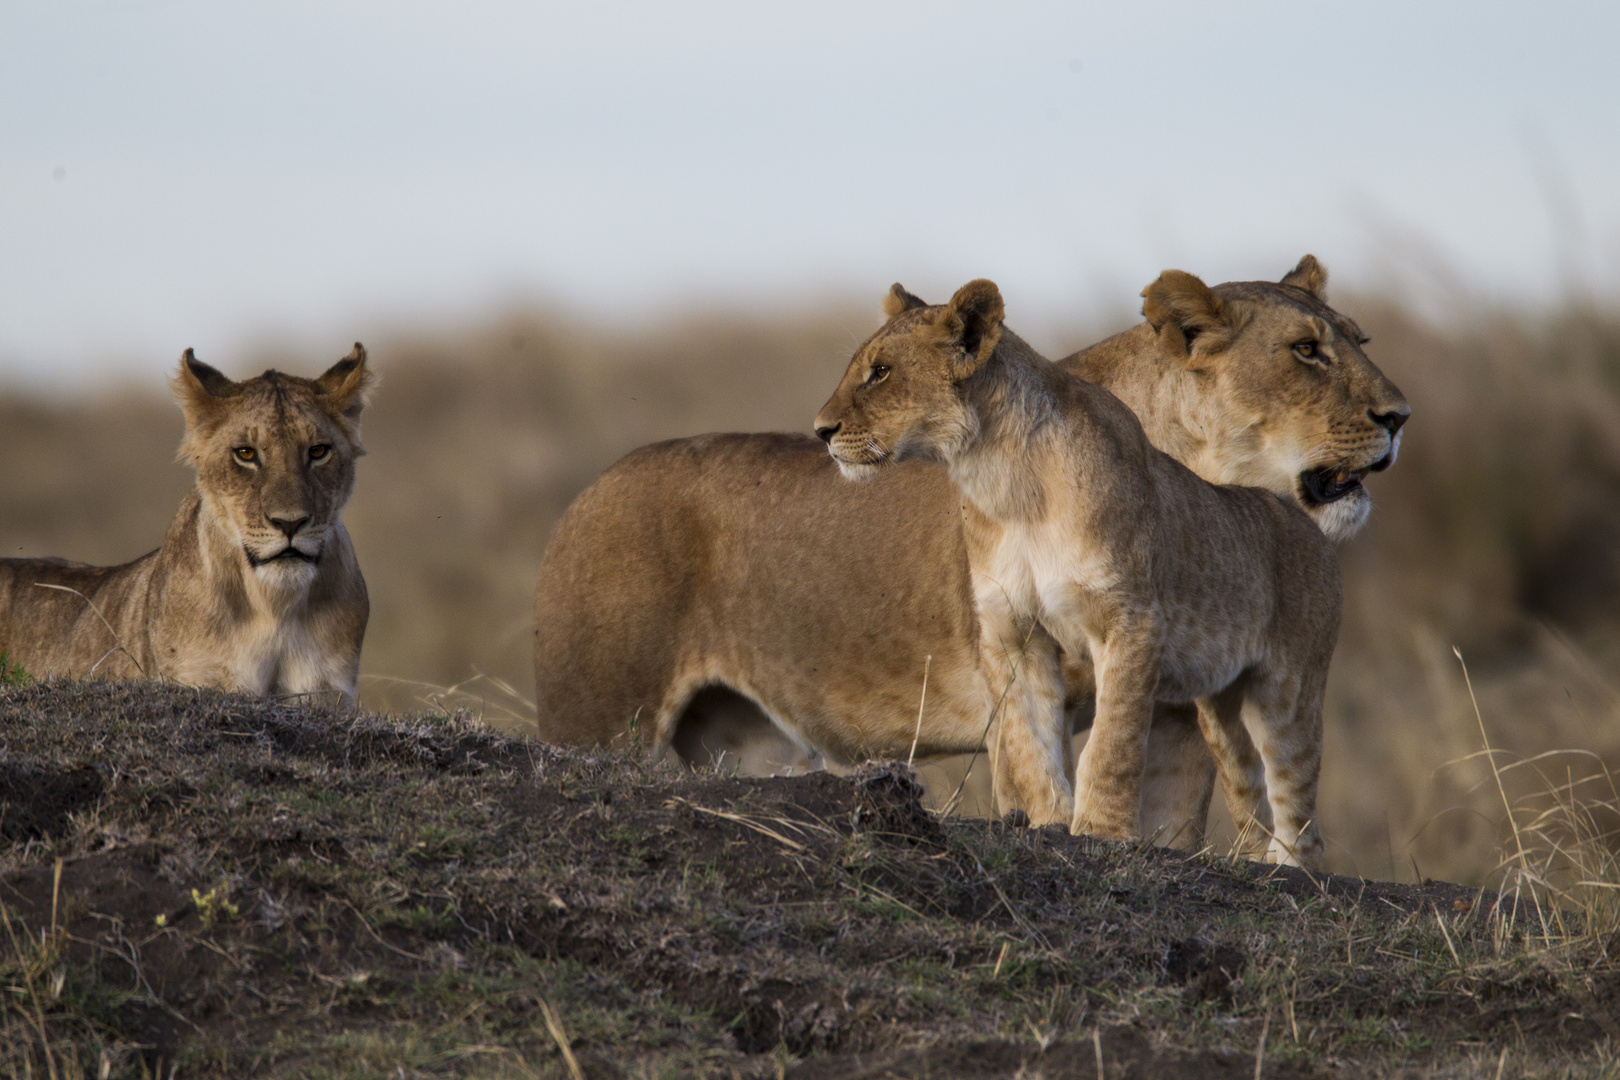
[198, 884]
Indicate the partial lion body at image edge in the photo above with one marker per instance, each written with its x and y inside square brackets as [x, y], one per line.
[256, 587]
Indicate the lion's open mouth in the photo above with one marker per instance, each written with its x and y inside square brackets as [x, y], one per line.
[288, 552]
[1327, 485]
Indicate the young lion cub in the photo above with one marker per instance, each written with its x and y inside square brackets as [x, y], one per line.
[256, 587]
[1082, 535]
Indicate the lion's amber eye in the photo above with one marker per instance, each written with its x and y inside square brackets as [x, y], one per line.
[878, 374]
[246, 454]
[318, 451]
[1308, 350]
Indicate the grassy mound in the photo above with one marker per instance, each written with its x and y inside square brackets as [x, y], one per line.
[240, 887]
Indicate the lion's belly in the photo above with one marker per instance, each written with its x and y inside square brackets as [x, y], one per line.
[1186, 678]
[1208, 645]
[876, 710]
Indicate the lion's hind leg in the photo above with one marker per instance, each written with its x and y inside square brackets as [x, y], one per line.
[1238, 764]
[1286, 721]
[1178, 780]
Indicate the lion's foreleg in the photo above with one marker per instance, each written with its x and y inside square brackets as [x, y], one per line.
[1025, 739]
[1108, 779]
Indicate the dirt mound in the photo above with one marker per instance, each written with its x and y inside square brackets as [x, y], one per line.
[233, 886]
[35, 801]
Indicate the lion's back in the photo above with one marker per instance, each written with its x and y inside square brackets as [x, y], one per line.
[60, 617]
[739, 548]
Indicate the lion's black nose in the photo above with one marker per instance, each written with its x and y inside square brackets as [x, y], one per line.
[1391, 421]
[289, 525]
[825, 434]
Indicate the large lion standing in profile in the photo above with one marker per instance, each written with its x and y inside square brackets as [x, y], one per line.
[256, 587]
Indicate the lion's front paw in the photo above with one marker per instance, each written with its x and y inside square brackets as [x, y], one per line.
[1307, 851]
[1110, 816]
[1057, 813]
[1109, 827]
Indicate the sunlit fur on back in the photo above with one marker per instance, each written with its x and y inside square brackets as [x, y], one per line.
[1082, 535]
[256, 586]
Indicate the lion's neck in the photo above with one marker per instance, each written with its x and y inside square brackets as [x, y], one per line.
[1011, 410]
[1176, 407]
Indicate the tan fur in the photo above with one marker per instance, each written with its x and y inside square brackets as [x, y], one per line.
[1082, 535]
[745, 561]
[256, 587]
[1224, 391]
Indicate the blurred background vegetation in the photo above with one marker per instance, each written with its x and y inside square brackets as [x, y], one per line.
[1497, 534]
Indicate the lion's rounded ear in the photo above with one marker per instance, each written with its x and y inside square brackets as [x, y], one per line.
[347, 384]
[1309, 275]
[899, 301]
[1187, 314]
[973, 319]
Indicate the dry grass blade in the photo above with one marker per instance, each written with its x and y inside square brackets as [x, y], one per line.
[118, 645]
[951, 803]
[493, 700]
[748, 822]
[31, 968]
[554, 1026]
[1450, 945]
[928, 662]
[1260, 1050]
[1518, 841]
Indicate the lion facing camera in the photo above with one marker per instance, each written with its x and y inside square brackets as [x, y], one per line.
[256, 587]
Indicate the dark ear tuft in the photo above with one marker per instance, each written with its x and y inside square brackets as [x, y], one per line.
[1184, 310]
[975, 314]
[1309, 275]
[899, 301]
[347, 384]
[199, 388]
[201, 392]
[209, 380]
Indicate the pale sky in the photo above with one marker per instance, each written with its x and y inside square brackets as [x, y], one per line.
[179, 174]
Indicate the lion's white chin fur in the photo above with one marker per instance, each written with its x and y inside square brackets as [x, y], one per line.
[857, 470]
[285, 581]
[1343, 518]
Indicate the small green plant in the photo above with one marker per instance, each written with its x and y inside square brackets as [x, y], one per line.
[215, 904]
[12, 673]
